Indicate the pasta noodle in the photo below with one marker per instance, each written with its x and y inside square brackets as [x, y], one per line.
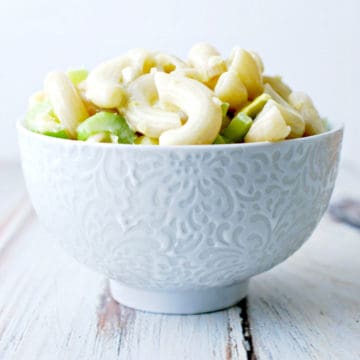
[66, 101]
[140, 113]
[196, 100]
[229, 88]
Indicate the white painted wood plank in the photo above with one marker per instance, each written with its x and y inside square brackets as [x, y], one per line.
[49, 304]
[14, 206]
[309, 306]
[208, 336]
[53, 308]
[12, 188]
[14, 221]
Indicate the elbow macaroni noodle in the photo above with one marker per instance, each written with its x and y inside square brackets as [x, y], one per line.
[196, 100]
[207, 60]
[168, 63]
[270, 125]
[248, 69]
[141, 113]
[168, 101]
[230, 89]
[313, 123]
[103, 85]
[66, 101]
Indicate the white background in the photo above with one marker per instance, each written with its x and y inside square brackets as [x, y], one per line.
[314, 45]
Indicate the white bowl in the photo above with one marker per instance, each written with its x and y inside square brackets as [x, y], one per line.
[180, 229]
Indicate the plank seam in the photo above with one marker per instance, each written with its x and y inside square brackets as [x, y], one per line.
[246, 330]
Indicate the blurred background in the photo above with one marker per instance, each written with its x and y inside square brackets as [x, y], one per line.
[313, 45]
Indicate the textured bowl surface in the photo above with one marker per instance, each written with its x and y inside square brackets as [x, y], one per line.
[180, 219]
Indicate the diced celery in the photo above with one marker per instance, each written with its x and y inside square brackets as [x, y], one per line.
[256, 105]
[238, 127]
[59, 134]
[43, 107]
[225, 122]
[40, 118]
[325, 121]
[221, 139]
[145, 140]
[77, 76]
[224, 108]
[225, 118]
[106, 122]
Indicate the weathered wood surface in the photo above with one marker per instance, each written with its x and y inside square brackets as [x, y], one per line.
[53, 308]
[309, 307]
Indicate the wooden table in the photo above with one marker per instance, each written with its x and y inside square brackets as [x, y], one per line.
[53, 308]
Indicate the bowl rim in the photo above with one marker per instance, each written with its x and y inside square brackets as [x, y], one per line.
[338, 128]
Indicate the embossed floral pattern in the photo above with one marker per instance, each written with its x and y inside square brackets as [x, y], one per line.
[180, 217]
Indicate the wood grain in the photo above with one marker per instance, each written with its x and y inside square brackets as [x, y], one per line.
[14, 204]
[51, 307]
[12, 189]
[309, 307]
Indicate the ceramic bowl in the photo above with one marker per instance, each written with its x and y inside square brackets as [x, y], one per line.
[180, 229]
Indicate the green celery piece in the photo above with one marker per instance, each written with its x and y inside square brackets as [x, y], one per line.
[256, 105]
[43, 107]
[224, 108]
[326, 123]
[62, 134]
[221, 139]
[40, 118]
[106, 122]
[238, 127]
[77, 76]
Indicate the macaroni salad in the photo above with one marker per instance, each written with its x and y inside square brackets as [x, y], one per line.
[152, 98]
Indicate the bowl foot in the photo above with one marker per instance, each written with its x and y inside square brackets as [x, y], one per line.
[179, 301]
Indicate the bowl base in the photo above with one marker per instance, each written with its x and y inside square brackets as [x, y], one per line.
[179, 301]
